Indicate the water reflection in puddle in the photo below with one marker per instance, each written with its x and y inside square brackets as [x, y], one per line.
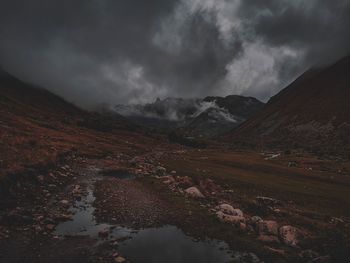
[165, 244]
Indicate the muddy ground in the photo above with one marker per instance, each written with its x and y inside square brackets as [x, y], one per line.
[132, 205]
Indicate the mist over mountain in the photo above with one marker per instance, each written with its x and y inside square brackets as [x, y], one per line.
[201, 117]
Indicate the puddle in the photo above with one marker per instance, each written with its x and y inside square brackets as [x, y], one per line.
[83, 222]
[165, 244]
[169, 244]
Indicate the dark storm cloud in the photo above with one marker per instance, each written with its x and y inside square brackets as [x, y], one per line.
[107, 51]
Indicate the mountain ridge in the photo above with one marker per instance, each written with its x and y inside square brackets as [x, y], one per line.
[207, 117]
[311, 113]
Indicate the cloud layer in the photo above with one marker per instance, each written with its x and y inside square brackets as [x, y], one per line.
[107, 51]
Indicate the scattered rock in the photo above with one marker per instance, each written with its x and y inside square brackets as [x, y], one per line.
[194, 192]
[292, 164]
[76, 190]
[337, 221]
[289, 235]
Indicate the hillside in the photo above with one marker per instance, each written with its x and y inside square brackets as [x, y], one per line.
[37, 127]
[312, 113]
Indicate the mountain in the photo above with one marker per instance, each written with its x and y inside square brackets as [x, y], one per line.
[312, 113]
[36, 127]
[206, 117]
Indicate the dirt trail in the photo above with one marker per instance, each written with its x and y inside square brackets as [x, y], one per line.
[130, 203]
[123, 208]
[87, 221]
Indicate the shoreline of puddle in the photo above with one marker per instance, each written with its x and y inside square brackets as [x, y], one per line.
[158, 244]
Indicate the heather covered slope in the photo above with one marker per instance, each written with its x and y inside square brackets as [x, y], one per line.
[312, 113]
[36, 127]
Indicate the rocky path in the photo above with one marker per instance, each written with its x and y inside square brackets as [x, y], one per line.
[128, 202]
[87, 218]
[130, 209]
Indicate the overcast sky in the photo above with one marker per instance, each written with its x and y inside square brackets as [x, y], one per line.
[131, 51]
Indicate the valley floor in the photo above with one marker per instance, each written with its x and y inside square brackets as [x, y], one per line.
[177, 204]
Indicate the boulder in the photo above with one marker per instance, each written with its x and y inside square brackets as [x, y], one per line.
[242, 226]
[230, 218]
[119, 259]
[229, 210]
[194, 192]
[160, 171]
[169, 179]
[208, 186]
[255, 220]
[226, 208]
[289, 235]
[184, 181]
[268, 227]
[238, 212]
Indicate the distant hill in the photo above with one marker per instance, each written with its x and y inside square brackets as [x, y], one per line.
[312, 113]
[206, 117]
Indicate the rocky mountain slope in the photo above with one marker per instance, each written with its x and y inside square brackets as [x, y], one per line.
[36, 127]
[196, 117]
[311, 113]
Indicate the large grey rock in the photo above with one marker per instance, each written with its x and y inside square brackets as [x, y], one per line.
[233, 219]
[289, 235]
[194, 192]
